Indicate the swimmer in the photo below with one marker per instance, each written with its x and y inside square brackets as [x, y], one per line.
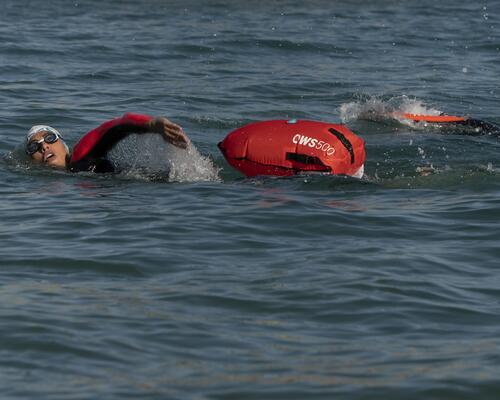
[459, 125]
[45, 145]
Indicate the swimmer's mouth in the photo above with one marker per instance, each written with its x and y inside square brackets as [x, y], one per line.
[47, 157]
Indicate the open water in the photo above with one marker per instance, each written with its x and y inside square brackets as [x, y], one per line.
[202, 284]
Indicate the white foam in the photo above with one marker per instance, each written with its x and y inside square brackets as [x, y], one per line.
[188, 165]
[148, 157]
[372, 109]
[375, 108]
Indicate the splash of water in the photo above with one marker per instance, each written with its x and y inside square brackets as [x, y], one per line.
[190, 166]
[148, 157]
[375, 108]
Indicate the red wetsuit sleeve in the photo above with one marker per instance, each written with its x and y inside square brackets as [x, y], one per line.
[96, 143]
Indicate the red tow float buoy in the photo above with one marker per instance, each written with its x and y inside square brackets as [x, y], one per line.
[285, 148]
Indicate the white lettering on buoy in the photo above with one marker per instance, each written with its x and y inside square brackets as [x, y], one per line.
[313, 143]
[304, 140]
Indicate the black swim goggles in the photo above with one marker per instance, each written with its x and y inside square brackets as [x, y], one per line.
[36, 145]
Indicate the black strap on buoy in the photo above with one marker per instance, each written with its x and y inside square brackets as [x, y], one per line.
[347, 144]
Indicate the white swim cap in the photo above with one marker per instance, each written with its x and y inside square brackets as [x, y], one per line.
[41, 128]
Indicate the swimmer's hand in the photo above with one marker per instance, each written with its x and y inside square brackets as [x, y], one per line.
[170, 132]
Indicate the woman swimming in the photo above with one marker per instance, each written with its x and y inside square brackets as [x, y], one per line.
[45, 144]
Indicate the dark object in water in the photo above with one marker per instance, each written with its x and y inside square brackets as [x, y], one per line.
[466, 125]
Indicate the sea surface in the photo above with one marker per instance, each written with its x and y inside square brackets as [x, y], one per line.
[179, 278]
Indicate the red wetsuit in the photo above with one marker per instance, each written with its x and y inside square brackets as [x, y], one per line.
[90, 152]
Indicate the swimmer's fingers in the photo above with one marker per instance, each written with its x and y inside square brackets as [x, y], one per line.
[170, 132]
[178, 139]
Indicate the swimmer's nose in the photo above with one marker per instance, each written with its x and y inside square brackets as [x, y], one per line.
[45, 147]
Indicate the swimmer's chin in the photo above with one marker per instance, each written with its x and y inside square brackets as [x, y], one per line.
[53, 162]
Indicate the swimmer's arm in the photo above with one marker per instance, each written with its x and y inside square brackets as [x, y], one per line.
[169, 131]
[98, 142]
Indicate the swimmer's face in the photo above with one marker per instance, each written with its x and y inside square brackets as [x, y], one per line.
[51, 154]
